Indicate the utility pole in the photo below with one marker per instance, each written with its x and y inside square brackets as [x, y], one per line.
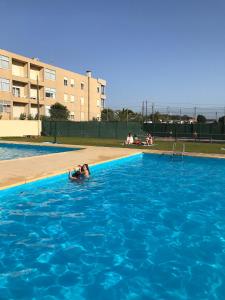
[152, 112]
[180, 115]
[89, 82]
[224, 121]
[142, 110]
[195, 113]
[224, 116]
[167, 112]
[146, 110]
[38, 106]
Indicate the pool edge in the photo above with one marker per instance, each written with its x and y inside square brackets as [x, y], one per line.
[23, 182]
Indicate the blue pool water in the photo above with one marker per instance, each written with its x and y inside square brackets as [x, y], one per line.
[11, 151]
[145, 228]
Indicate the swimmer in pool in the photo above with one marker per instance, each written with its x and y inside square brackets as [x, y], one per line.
[85, 170]
[76, 174]
[80, 173]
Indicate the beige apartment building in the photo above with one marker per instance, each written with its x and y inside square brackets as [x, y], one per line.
[25, 82]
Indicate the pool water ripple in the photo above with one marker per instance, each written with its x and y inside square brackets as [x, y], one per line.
[148, 229]
[12, 151]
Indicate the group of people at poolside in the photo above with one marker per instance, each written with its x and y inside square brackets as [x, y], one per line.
[83, 171]
[80, 173]
[134, 140]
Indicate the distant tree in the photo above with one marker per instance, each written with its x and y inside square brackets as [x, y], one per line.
[125, 115]
[201, 119]
[44, 118]
[59, 112]
[186, 118]
[107, 114]
[157, 117]
[22, 116]
[222, 120]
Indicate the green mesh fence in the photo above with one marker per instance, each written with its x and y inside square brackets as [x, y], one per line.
[117, 130]
[204, 131]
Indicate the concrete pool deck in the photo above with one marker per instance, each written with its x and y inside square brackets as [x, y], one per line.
[23, 170]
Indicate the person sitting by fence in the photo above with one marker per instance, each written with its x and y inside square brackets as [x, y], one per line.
[137, 141]
[149, 139]
[195, 135]
[130, 139]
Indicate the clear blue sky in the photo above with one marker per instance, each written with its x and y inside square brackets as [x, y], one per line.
[166, 51]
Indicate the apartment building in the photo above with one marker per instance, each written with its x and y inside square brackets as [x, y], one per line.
[25, 82]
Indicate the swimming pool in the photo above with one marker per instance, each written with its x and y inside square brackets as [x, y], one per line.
[12, 151]
[145, 227]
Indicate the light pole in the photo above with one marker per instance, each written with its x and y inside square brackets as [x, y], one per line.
[38, 106]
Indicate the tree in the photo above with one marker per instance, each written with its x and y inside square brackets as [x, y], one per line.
[125, 114]
[222, 120]
[201, 119]
[30, 117]
[22, 116]
[107, 114]
[59, 112]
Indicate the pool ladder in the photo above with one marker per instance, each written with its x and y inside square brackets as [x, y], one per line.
[178, 154]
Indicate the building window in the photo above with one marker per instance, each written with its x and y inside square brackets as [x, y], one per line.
[71, 115]
[102, 103]
[4, 62]
[71, 98]
[50, 74]
[65, 97]
[65, 81]
[98, 90]
[102, 89]
[98, 103]
[82, 86]
[16, 91]
[82, 101]
[50, 93]
[4, 85]
[5, 106]
[72, 82]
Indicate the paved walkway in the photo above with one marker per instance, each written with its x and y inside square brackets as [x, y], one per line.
[18, 171]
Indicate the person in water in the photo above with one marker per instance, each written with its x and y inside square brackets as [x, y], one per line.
[81, 173]
[85, 171]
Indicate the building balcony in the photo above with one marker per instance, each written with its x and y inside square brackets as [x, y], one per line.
[20, 99]
[19, 78]
[27, 99]
[19, 69]
[36, 72]
[103, 96]
[34, 81]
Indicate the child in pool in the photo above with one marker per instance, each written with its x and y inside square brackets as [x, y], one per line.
[81, 173]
